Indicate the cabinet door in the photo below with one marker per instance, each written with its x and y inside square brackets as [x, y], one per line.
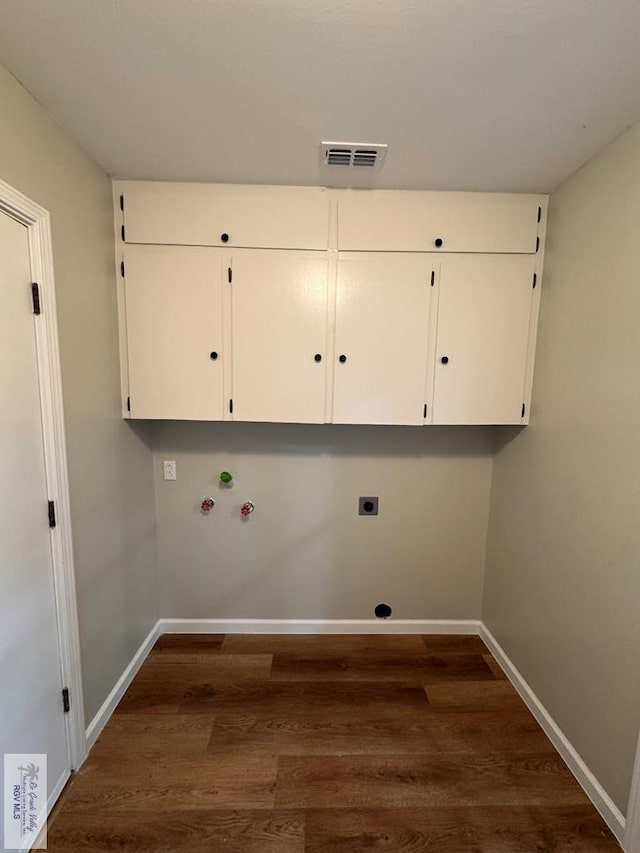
[400, 221]
[279, 310]
[484, 310]
[225, 215]
[382, 323]
[173, 303]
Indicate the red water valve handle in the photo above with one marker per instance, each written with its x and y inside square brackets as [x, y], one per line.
[207, 505]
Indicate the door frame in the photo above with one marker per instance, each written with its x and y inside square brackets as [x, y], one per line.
[38, 224]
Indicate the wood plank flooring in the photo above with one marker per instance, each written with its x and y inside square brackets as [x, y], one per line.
[323, 744]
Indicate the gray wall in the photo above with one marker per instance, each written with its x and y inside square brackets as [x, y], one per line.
[305, 553]
[109, 462]
[563, 568]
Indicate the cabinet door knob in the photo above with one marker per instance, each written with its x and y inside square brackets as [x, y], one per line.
[445, 359]
[224, 238]
[317, 357]
[213, 355]
[439, 241]
[342, 359]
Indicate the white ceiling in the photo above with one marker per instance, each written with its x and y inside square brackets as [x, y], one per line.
[508, 95]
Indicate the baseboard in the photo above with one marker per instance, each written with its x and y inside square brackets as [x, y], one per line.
[319, 626]
[592, 788]
[632, 828]
[109, 705]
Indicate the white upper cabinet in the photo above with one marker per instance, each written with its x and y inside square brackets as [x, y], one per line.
[225, 215]
[393, 221]
[484, 313]
[382, 324]
[279, 333]
[173, 309]
[312, 305]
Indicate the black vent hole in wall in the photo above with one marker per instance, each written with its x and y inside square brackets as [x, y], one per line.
[382, 611]
[368, 505]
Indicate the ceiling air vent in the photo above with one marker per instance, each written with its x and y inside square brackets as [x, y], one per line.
[353, 154]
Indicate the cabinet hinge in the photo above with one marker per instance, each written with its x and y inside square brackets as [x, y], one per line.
[128, 404]
[122, 204]
[424, 411]
[535, 280]
[66, 701]
[231, 407]
[433, 277]
[52, 514]
[524, 408]
[122, 268]
[537, 243]
[35, 297]
[122, 233]
[539, 214]
[229, 274]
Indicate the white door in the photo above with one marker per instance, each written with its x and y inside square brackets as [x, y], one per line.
[279, 310]
[31, 711]
[173, 297]
[382, 325]
[483, 333]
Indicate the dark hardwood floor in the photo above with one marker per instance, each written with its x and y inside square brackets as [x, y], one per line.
[323, 744]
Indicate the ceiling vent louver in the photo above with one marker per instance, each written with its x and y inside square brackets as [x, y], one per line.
[338, 157]
[365, 157]
[353, 154]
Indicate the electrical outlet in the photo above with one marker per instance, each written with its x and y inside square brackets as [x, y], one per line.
[368, 506]
[169, 469]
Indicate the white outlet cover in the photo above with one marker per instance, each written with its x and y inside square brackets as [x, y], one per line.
[169, 469]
